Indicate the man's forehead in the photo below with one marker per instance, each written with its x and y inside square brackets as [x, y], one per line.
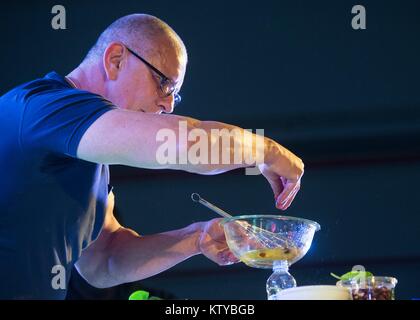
[169, 59]
[173, 68]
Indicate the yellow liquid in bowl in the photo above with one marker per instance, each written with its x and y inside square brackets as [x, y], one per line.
[266, 257]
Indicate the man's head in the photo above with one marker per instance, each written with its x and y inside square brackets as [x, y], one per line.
[129, 82]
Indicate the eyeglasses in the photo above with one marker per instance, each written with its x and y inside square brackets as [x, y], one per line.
[166, 85]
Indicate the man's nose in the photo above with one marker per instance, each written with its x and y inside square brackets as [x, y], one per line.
[167, 104]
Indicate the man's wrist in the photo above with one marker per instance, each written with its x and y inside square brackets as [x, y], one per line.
[270, 150]
[193, 232]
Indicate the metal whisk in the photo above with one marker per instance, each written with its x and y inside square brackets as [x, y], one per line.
[266, 238]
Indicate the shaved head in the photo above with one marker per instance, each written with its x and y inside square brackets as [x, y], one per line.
[143, 33]
[133, 63]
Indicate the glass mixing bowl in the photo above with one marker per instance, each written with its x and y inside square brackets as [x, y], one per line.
[260, 240]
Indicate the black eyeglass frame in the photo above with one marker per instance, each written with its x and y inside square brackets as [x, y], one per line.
[164, 79]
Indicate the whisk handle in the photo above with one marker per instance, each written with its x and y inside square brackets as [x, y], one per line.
[196, 198]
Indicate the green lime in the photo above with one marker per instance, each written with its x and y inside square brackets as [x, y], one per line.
[139, 295]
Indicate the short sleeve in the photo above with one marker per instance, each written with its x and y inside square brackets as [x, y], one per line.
[56, 120]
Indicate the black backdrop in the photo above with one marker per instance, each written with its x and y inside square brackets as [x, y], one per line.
[346, 101]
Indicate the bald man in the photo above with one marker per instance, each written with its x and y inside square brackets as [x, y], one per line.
[60, 134]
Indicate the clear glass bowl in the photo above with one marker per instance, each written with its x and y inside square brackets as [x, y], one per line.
[373, 288]
[260, 240]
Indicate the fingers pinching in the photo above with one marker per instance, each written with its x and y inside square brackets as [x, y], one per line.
[283, 197]
[291, 197]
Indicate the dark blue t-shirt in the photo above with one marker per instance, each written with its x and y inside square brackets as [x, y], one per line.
[52, 205]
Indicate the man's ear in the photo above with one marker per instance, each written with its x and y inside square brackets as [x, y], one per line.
[112, 60]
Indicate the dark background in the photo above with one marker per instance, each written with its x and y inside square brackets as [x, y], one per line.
[345, 101]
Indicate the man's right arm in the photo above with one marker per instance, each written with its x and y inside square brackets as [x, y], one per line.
[130, 138]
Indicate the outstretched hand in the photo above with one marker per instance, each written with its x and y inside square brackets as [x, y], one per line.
[283, 171]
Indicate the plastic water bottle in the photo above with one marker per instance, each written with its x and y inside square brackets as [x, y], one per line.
[279, 280]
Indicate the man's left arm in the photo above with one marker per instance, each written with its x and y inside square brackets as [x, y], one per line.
[120, 255]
